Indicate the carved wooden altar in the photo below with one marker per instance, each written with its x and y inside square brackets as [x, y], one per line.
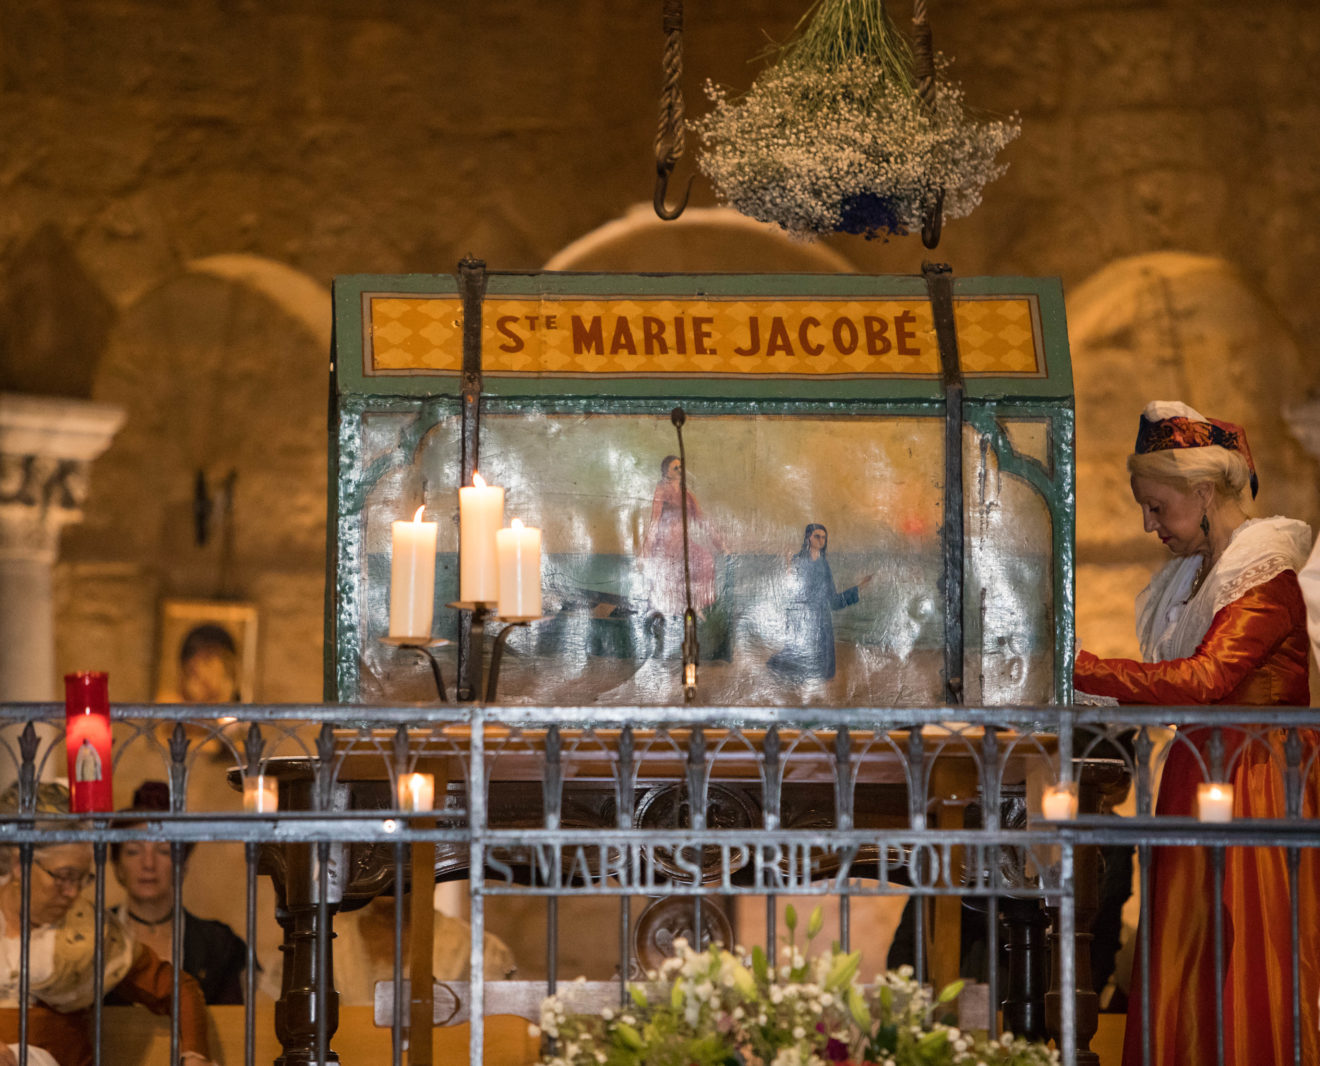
[709, 812]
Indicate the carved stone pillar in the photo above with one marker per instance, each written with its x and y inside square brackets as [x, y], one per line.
[47, 444]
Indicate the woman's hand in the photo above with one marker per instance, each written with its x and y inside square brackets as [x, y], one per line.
[36, 1056]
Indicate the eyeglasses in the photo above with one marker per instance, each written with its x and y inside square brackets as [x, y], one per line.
[67, 881]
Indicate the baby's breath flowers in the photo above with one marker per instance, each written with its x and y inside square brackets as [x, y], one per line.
[715, 1008]
[835, 138]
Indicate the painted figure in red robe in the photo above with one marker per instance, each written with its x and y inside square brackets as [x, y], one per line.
[662, 547]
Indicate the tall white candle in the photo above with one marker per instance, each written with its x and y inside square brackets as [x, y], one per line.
[480, 515]
[519, 549]
[412, 578]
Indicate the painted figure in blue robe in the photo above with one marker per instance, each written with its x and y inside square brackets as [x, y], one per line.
[809, 649]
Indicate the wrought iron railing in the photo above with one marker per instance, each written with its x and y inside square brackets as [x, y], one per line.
[685, 806]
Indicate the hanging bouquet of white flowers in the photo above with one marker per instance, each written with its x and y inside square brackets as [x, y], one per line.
[716, 1008]
[835, 137]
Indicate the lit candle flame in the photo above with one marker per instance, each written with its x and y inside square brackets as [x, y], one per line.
[418, 792]
[478, 481]
[517, 523]
[418, 516]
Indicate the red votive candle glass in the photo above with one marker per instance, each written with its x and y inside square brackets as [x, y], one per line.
[87, 741]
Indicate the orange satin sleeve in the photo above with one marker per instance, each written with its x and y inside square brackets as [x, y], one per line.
[68, 1036]
[150, 981]
[1253, 653]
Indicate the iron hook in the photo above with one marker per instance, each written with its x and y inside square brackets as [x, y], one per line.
[662, 171]
[932, 222]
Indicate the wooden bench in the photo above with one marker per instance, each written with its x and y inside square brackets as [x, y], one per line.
[135, 1037]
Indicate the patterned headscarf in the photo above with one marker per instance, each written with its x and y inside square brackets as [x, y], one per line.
[1167, 425]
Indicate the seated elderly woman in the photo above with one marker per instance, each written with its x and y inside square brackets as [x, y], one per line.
[60, 971]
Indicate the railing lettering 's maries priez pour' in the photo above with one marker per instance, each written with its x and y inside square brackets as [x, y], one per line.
[686, 807]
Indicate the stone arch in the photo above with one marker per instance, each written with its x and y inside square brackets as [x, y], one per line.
[54, 318]
[1171, 325]
[220, 367]
[702, 239]
[296, 294]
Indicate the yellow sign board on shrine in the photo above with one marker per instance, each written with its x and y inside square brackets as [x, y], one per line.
[707, 336]
[817, 402]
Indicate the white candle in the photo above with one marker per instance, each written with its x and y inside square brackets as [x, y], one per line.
[519, 551]
[1058, 803]
[480, 515]
[416, 792]
[1214, 802]
[412, 578]
[261, 794]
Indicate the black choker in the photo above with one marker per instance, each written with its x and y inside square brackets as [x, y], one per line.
[149, 922]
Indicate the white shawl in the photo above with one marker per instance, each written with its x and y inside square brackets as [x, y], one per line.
[1171, 622]
[60, 971]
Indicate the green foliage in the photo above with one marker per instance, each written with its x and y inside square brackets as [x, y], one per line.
[815, 922]
[836, 31]
[718, 1008]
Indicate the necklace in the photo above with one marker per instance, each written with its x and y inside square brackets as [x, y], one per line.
[150, 922]
[1202, 572]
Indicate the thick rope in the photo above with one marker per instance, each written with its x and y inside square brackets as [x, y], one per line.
[923, 55]
[923, 69]
[669, 136]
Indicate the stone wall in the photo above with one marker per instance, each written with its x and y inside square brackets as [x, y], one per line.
[146, 136]
[180, 180]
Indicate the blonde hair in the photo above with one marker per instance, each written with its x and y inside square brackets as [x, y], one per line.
[50, 798]
[1226, 471]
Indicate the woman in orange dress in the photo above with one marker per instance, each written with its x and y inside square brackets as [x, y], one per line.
[1222, 623]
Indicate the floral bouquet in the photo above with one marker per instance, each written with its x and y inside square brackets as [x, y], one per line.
[835, 137]
[714, 1008]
